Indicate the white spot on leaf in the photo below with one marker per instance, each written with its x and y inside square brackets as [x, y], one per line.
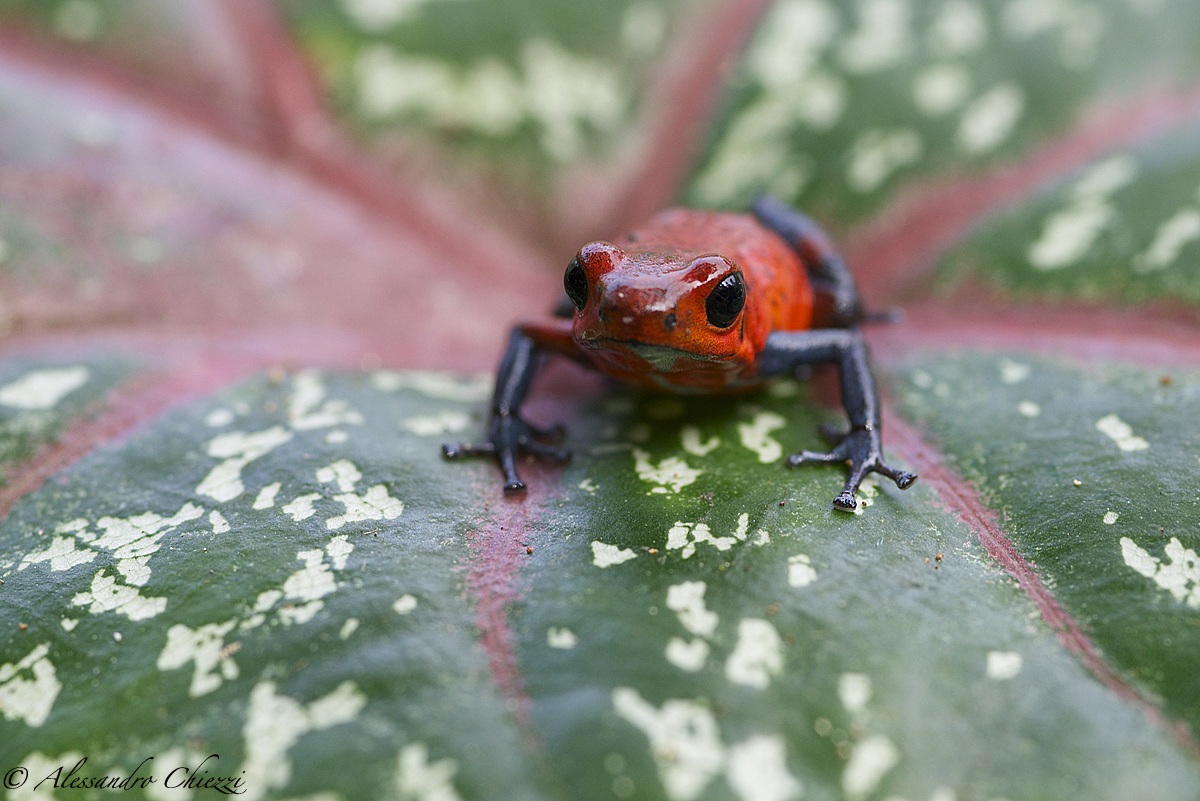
[1172, 236]
[418, 779]
[990, 118]
[757, 656]
[1119, 432]
[687, 655]
[854, 691]
[405, 604]
[1068, 234]
[29, 687]
[308, 409]
[434, 424]
[218, 418]
[1179, 574]
[562, 638]
[61, 553]
[687, 601]
[877, 155]
[375, 504]
[274, 723]
[377, 16]
[343, 472]
[1028, 409]
[1003, 665]
[1013, 372]
[205, 647]
[684, 537]
[869, 762]
[684, 741]
[671, 474]
[800, 571]
[941, 88]
[106, 595]
[757, 770]
[237, 449]
[43, 389]
[605, 555]
[690, 435]
[266, 496]
[301, 507]
[883, 39]
[467, 389]
[960, 27]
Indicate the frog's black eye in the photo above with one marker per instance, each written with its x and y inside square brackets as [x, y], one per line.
[575, 282]
[726, 300]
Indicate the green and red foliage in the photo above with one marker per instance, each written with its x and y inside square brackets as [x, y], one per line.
[256, 259]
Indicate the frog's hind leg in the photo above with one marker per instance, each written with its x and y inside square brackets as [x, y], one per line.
[861, 446]
[826, 270]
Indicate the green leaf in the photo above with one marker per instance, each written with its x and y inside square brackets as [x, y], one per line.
[689, 626]
[1091, 468]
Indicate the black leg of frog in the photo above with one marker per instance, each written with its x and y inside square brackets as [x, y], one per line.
[508, 434]
[860, 446]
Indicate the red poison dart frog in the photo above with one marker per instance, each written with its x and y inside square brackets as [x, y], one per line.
[701, 302]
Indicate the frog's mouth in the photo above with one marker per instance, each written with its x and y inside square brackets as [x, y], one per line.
[661, 358]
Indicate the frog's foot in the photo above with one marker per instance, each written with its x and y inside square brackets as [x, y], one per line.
[860, 449]
[509, 436]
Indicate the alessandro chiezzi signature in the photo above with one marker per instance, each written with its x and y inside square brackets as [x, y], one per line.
[181, 777]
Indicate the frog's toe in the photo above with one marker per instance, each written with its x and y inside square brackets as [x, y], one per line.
[903, 478]
[846, 502]
[513, 488]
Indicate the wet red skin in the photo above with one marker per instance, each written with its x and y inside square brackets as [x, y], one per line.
[645, 323]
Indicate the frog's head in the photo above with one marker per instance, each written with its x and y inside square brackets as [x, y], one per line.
[656, 311]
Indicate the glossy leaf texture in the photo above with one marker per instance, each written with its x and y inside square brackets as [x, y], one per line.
[257, 260]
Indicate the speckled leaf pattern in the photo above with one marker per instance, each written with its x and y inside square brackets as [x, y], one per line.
[1124, 227]
[256, 609]
[839, 104]
[258, 260]
[40, 400]
[551, 83]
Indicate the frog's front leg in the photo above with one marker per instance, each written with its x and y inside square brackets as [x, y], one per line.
[861, 446]
[509, 435]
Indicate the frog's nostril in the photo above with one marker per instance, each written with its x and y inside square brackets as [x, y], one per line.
[670, 321]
